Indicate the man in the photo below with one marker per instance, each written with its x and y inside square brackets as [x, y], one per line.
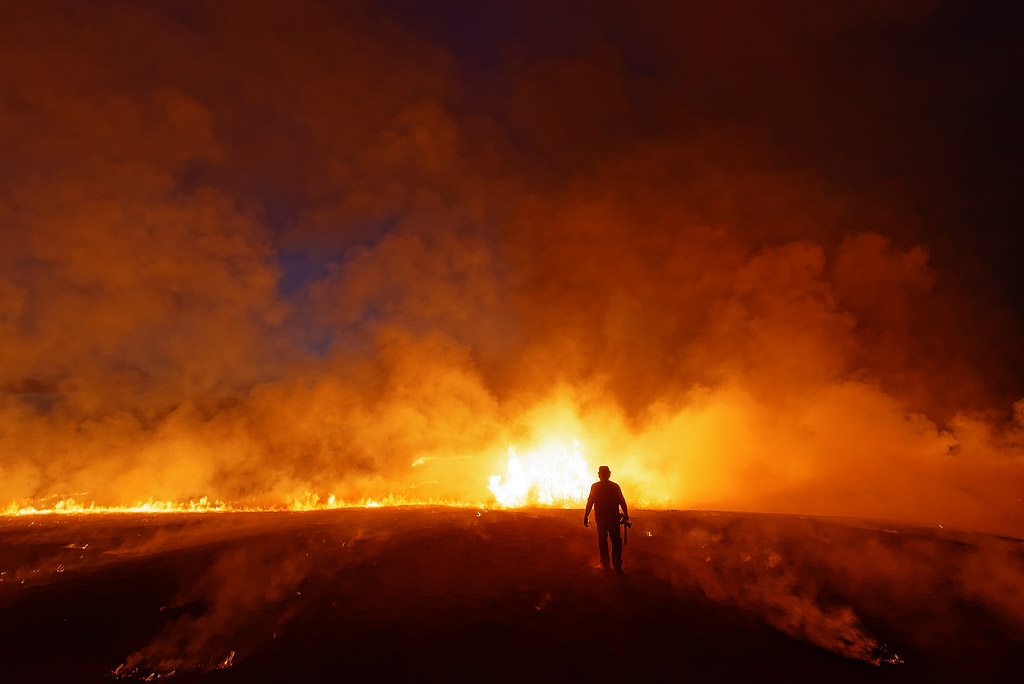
[606, 498]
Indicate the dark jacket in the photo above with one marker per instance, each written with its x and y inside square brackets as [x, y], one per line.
[606, 497]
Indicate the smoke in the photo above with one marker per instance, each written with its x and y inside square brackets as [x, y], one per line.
[252, 255]
[845, 587]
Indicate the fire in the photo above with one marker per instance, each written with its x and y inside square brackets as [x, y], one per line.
[307, 502]
[69, 506]
[549, 476]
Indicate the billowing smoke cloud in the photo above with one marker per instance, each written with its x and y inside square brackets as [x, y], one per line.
[252, 253]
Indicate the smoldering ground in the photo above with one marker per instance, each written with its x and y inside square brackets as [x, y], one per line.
[411, 592]
[255, 253]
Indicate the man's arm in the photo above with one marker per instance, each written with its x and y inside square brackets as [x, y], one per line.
[590, 504]
[622, 502]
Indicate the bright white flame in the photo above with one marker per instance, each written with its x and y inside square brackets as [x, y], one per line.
[549, 476]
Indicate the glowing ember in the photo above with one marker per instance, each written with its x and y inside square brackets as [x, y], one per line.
[227, 662]
[549, 476]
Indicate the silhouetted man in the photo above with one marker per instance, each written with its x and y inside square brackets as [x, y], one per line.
[606, 498]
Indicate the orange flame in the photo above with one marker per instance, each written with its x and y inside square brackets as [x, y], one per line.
[549, 476]
[308, 502]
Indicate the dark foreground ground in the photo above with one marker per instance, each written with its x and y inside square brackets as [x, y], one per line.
[425, 594]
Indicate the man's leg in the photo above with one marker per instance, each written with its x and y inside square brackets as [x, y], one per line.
[602, 544]
[616, 548]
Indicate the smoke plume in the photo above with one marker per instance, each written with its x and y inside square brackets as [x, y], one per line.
[256, 253]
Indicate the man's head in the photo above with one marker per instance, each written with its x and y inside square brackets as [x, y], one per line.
[604, 472]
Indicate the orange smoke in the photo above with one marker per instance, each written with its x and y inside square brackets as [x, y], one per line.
[270, 259]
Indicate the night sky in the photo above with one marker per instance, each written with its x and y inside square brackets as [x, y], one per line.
[761, 256]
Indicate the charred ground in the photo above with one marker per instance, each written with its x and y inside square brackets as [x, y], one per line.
[403, 594]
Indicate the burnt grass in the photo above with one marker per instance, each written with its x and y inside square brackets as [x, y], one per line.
[439, 594]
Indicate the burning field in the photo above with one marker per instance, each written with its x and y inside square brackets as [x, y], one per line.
[317, 319]
[448, 594]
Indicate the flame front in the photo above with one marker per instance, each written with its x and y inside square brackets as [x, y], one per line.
[307, 502]
[549, 476]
